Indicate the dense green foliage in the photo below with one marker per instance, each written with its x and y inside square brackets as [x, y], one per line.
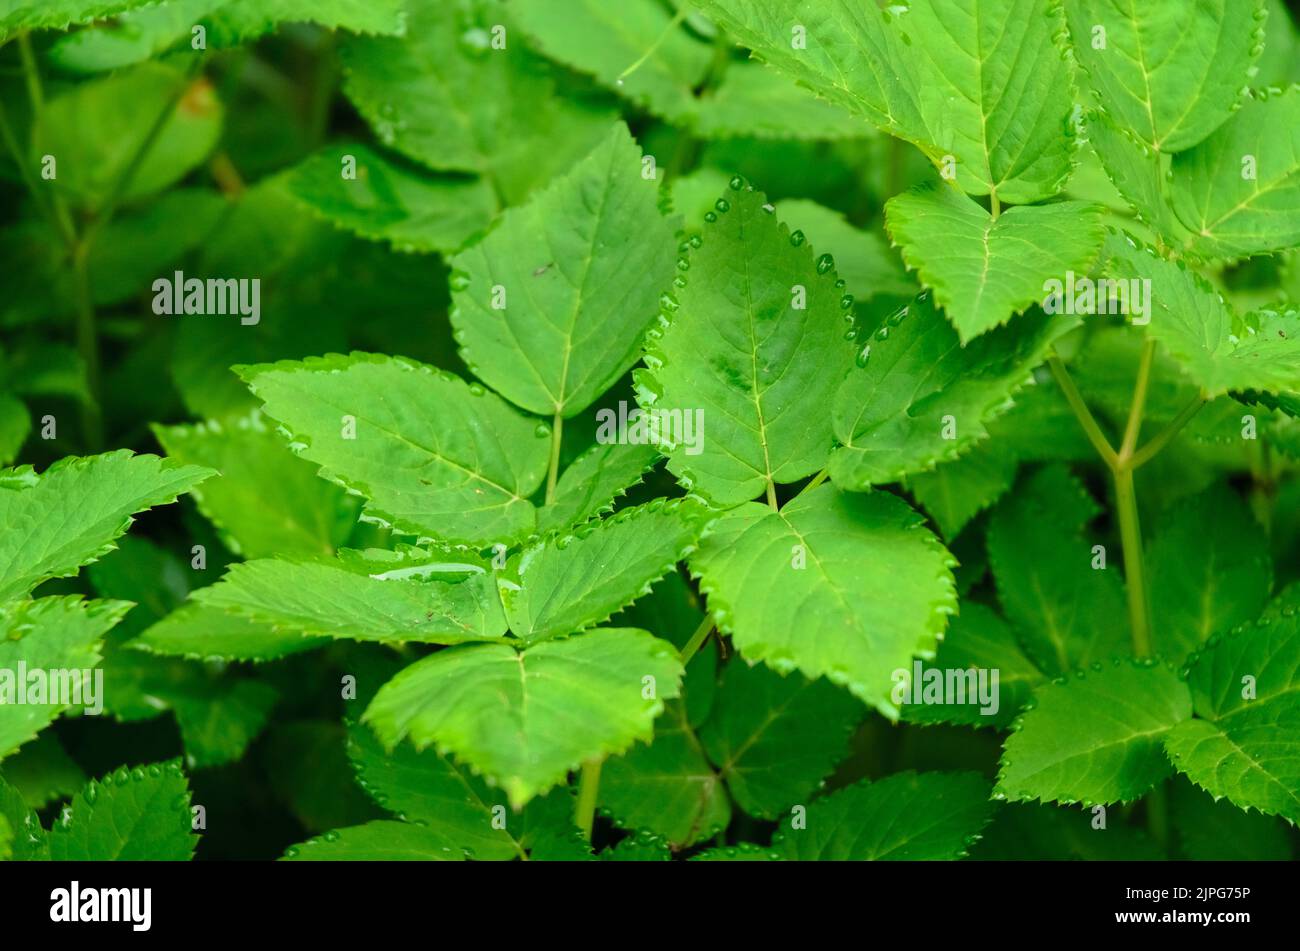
[718, 429]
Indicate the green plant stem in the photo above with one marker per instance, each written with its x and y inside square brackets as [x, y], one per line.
[92, 421]
[588, 787]
[995, 206]
[697, 640]
[771, 496]
[1130, 533]
[816, 480]
[553, 470]
[123, 182]
[31, 74]
[1166, 435]
[1140, 387]
[1081, 411]
[659, 41]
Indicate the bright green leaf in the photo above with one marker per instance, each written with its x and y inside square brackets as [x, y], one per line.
[846, 586]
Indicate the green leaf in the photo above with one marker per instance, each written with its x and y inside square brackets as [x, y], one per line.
[977, 639]
[1170, 72]
[1210, 570]
[139, 814]
[132, 37]
[568, 583]
[737, 385]
[329, 601]
[1211, 831]
[904, 817]
[1238, 192]
[47, 537]
[1067, 613]
[525, 719]
[984, 270]
[955, 492]
[550, 308]
[15, 424]
[1022, 832]
[258, 474]
[862, 258]
[43, 772]
[198, 632]
[385, 200]
[1246, 691]
[849, 587]
[1138, 174]
[605, 41]
[668, 787]
[18, 15]
[754, 101]
[96, 129]
[428, 788]
[919, 397]
[378, 841]
[6, 839]
[776, 738]
[48, 635]
[987, 84]
[1095, 737]
[219, 717]
[29, 840]
[594, 482]
[1217, 348]
[740, 852]
[516, 130]
[434, 456]
[239, 21]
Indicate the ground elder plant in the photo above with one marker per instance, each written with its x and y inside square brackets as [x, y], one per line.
[664, 429]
